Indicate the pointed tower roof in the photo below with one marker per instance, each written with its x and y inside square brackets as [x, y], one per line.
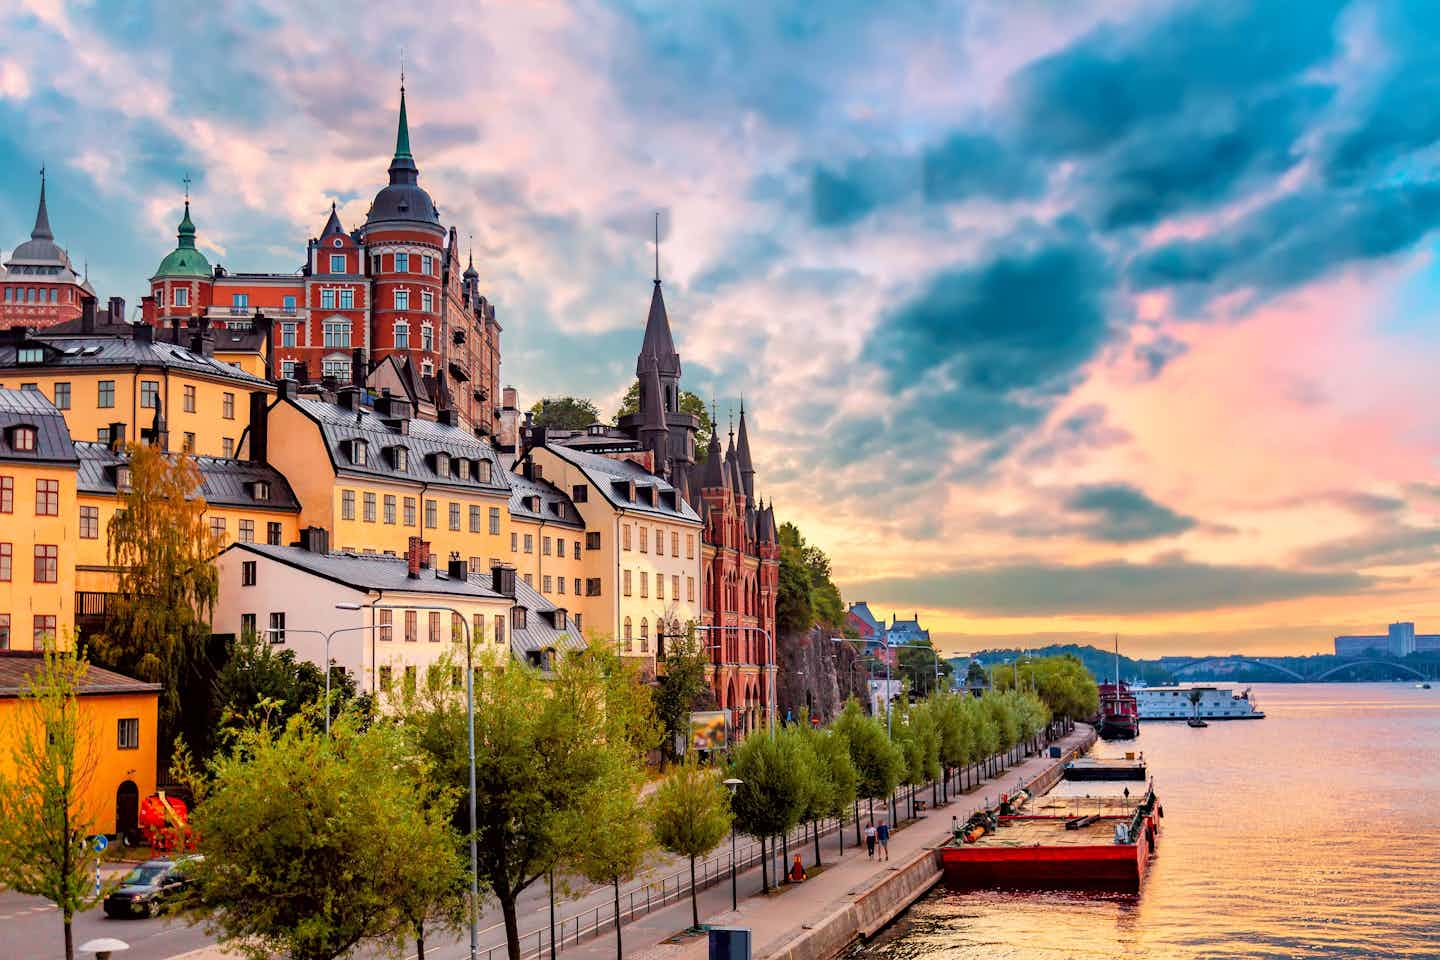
[185, 260]
[732, 469]
[742, 455]
[715, 474]
[403, 199]
[42, 230]
[332, 226]
[41, 249]
[658, 340]
[470, 271]
[655, 410]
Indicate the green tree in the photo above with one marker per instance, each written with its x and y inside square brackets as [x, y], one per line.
[613, 834]
[314, 845]
[879, 763]
[159, 623]
[918, 664]
[689, 403]
[564, 413]
[807, 594]
[1064, 684]
[44, 850]
[774, 793]
[794, 608]
[691, 811]
[681, 689]
[256, 673]
[832, 753]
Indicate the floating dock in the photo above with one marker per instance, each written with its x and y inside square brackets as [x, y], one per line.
[1105, 768]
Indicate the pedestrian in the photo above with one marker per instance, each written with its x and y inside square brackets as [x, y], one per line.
[882, 839]
[870, 839]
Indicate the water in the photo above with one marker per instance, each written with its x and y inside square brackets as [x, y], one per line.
[1312, 833]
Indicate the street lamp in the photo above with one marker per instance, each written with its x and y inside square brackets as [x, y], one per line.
[327, 637]
[734, 784]
[770, 641]
[470, 725]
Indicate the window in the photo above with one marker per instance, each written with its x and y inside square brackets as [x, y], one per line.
[579, 587]
[287, 335]
[494, 521]
[217, 527]
[592, 540]
[546, 544]
[560, 584]
[644, 539]
[188, 444]
[181, 296]
[402, 458]
[327, 299]
[409, 511]
[690, 589]
[347, 299]
[427, 301]
[227, 447]
[7, 551]
[625, 585]
[592, 587]
[247, 573]
[369, 507]
[659, 542]
[247, 624]
[644, 583]
[412, 626]
[239, 301]
[477, 629]
[427, 265]
[514, 542]
[529, 580]
[625, 537]
[579, 493]
[402, 335]
[575, 619]
[272, 533]
[474, 519]
[149, 394]
[659, 586]
[675, 586]
[499, 628]
[674, 544]
[247, 531]
[277, 628]
[347, 504]
[402, 263]
[462, 468]
[44, 630]
[127, 735]
[442, 465]
[62, 396]
[7, 494]
[432, 514]
[387, 675]
[337, 333]
[189, 398]
[517, 618]
[689, 546]
[337, 263]
[560, 547]
[547, 584]
[106, 397]
[644, 635]
[427, 368]
[629, 641]
[389, 508]
[576, 554]
[434, 626]
[402, 299]
[47, 498]
[454, 515]
[89, 523]
[227, 405]
[427, 337]
[387, 625]
[529, 543]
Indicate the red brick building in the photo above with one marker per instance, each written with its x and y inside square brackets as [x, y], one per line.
[39, 286]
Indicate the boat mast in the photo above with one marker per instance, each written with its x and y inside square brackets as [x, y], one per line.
[1117, 663]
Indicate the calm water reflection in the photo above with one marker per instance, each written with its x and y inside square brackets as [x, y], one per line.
[1312, 833]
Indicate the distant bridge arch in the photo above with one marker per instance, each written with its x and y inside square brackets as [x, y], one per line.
[1258, 663]
[1339, 667]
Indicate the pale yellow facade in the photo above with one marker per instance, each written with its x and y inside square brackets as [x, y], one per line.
[37, 553]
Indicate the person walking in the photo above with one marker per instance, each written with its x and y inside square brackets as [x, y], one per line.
[870, 839]
[882, 840]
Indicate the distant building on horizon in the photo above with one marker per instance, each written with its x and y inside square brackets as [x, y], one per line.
[1399, 641]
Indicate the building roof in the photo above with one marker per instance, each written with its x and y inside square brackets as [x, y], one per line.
[742, 456]
[224, 482]
[403, 200]
[861, 612]
[18, 667]
[658, 341]
[185, 260]
[424, 439]
[33, 409]
[713, 474]
[41, 257]
[332, 225]
[365, 572]
[542, 623]
[67, 351]
[554, 505]
[611, 476]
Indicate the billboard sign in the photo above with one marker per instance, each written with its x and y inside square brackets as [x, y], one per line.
[709, 730]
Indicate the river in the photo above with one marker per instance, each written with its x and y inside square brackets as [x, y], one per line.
[1312, 833]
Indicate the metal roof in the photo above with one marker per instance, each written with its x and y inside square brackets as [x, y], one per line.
[555, 506]
[365, 572]
[100, 351]
[33, 409]
[17, 668]
[224, 482]
[540, 631]
[603, 472]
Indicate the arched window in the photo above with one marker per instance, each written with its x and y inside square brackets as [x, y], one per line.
[644, 635]
[629, 643]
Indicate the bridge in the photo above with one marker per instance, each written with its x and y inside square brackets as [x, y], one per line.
[1330, 671]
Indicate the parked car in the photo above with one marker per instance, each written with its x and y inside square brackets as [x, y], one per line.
[145, 889]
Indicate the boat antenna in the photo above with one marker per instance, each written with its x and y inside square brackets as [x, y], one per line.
[1117, 663]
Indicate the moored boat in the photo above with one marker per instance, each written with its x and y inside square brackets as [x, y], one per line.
[1119, 714]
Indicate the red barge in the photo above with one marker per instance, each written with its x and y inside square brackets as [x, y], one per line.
[1089, 835]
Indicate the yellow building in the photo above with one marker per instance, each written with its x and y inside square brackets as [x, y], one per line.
[98, 382]
[38, 518]
[547, 542]
[121, 715]
[374, 476]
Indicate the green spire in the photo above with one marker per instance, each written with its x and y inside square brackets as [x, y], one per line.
[186, 236]
[402, 135]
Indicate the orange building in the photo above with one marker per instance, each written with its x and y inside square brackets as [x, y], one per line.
[120, 738]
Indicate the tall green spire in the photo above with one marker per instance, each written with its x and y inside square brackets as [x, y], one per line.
[186, 234]
[402, 135]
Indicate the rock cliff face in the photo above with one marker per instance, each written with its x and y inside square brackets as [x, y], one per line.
[817, 676]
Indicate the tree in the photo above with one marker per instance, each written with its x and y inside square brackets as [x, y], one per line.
[159, 623]
[44, 828]
[832, 753]
[689, 403]
[614, 834]
[774, 792]
[878, 762]
[794, 609]
[564, 413]
[918, 665]
[315, 844]
[691, 811]
[1062, 682]
[807, 594]
[682, 689]
[255, 673]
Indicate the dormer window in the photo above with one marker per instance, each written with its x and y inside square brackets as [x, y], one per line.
[532, 503]
[442, 465]
[560, 619]
[122, 478]
[400, 458]
[22, 439]
[260, 490]
[517, 618]
[630, 492]
[30, 355]
[359, 454]
[482, 471]
[462, 468]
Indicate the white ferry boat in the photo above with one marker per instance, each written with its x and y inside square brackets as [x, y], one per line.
[1216, 703]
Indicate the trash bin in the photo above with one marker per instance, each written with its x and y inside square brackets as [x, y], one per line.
[729, 943]
[1055, 753]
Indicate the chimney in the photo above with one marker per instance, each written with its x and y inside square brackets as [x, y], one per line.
[509, 398]
[315, 540]
[175, 330]
[144, 333]
[266, 328]
[449, 417]
[502, 580]
[117, 310]
[357, 367]
[197, 342]
[260, 425]
[348, 397]
[302, 372]
[87, 315]
[417, 556]
[458, 569]
[117, 436]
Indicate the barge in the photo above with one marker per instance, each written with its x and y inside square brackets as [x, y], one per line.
[1081, 835]
[1128, 767]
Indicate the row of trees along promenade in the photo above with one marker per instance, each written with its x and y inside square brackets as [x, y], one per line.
[317, 845]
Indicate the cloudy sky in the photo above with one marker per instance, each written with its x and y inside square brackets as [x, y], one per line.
[1054, 319]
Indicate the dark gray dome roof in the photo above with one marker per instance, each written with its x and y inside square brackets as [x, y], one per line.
[403, 198]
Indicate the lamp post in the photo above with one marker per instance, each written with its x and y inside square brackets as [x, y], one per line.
[770, 641]
[734, 784]
[327, 637]
[470, 730]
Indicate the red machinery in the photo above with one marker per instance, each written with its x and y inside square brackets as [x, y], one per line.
[165, 823]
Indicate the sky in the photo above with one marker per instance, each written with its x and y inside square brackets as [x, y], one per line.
[1053, 321]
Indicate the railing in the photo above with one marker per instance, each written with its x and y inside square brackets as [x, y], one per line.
[91, 603]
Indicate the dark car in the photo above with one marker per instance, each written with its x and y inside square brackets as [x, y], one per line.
[144, 890]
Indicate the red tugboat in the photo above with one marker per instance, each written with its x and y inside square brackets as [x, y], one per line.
[1119, 713]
